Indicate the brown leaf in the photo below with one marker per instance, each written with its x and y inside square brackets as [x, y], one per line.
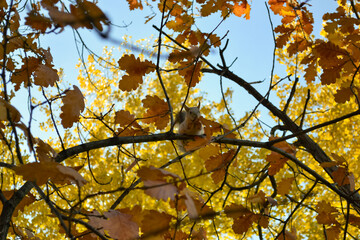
[340, 176]
[276, 160]
[217, 164]
[258, 198]
[45, 76]
[120, 225]
[160, 189]
[14, 113]
[27, 200]
[157, 111]
[126, 119]
[284, 186]
[326, 213]
[195, 144]
[134, 4]
[44, 151]
[155, 223]
[73, 105]
[41, 172]
[135, 69]
[191, 72]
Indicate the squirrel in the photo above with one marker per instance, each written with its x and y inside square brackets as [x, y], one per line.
[188, 122]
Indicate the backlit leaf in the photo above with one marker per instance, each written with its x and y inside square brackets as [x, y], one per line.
[73, 105]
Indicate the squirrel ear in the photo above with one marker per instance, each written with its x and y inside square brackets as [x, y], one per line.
[186, 108]
[199, 105]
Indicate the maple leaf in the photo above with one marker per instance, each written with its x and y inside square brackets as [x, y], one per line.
[136, 69]
[242, 224]
[73, 105]
[326, 213]
[333, 232]
[242, 9]
[157, 111]
[209, 151]
[354, 220]
[7, 107]
[45, 76]
[129, 131]
[41, 172]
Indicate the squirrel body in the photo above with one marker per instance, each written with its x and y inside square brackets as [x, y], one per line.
[189, 124]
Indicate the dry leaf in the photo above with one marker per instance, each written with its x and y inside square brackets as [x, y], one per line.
[73, 105]
[41, 172]
[157, 111]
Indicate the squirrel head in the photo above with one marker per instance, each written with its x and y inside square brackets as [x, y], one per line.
[193, 113]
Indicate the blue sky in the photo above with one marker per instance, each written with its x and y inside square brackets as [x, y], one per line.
[251, 41]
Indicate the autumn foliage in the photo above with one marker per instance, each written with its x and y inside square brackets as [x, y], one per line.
[97, 157]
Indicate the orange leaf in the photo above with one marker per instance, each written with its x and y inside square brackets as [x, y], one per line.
[73, 105]
[243, 9]
[276, 160]
[191, 73]
[284, 186]
[41, 172]
[195, 144]
[135, 69]
[209, 151]
[157, 111]
[133, 4]
[216, 165]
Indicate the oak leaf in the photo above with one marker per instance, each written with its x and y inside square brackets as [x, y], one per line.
[73, 105]
[26, 201]
[217, 165]
[7, 107]
[41, 172]
[242, 9]
[340, 176]
[155, 223]
[191, 72]
[136, 69]
[134, 4]
[258, 198]
[326, 213]
[276, 160]
[159, 183]
[44, 151]
[120, 225]
[126, 119]
[45, 76]
[157, 111]
[284, 186]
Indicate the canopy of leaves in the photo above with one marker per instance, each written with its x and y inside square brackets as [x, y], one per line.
[100, 157]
